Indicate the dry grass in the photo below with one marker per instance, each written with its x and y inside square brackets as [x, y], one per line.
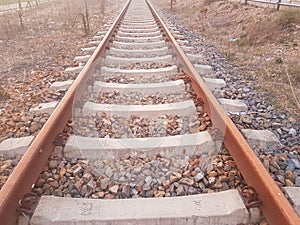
[55, 15]
[6, 2]
[264, 43]
[273, 39]
[208, 2]
[52, 35]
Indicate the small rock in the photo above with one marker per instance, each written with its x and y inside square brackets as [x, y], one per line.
[296, 163]
[212, 180]
[293, 132]
[77, 170]
[109, 196]
[187, 181]
[139, 188]
[101, 194]
[175, 177]
[147, 172]
[86, 177]
[146, 187]
[148, 180]
[280, 178]
[246, 119]
[297, 182]
[83, 191]
[134, 191]
[126, 191]
[58, 192]
[78, 185]
[180, 190]
[108, 172]
[213, 173]
[94, 196]
[291, 155]
[166, 183]
[114, 189]
[199, 176]
[137, 170]
[292, 120]
[62, 171]
[218, 185]
[40, 182]
[91, 184]
[53, 164]
[149, 194]
[186, 173]
[192, 191]
[231, 175]
[223, 178]
[290, 166]
[289, 183]
[274, 164]
[290, 175]
[54, 184]
[104, 183]
[34, 127]
[209, 168]
[160, 194]
[225, 186]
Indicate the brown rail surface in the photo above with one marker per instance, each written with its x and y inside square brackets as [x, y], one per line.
[274, 205]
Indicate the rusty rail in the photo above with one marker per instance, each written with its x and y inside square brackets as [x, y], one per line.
[275, 206]
[28, 169]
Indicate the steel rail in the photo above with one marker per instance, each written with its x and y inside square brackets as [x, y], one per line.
[275, 207]
[28, 169]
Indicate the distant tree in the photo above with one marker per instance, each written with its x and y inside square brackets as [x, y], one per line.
[20, 14]
[102, 5]
[86, 18]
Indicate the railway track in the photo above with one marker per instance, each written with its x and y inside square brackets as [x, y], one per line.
[137, 103]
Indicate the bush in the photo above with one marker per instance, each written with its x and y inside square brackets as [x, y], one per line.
[288, 17]
[209, 2]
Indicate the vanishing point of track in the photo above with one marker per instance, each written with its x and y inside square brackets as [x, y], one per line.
[273, 203]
